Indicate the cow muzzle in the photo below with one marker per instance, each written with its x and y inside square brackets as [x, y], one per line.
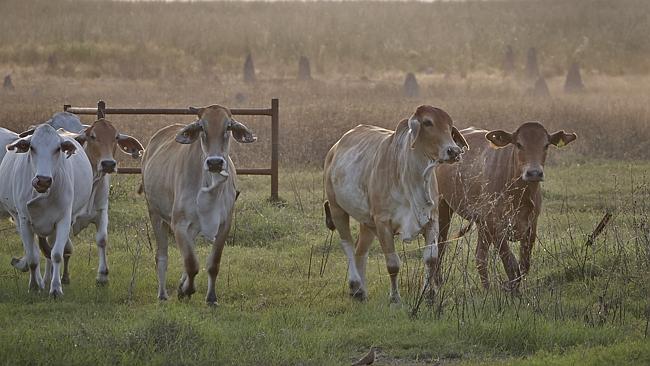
[108, 166]
[453, 154]
[216, 165]
[533, 175]
[41, 183]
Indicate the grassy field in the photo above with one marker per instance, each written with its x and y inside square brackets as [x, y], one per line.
[283, 296]
[282, 288]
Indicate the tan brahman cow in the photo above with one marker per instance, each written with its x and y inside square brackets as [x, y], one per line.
[190, 185]
[497, 187]
[386, 181]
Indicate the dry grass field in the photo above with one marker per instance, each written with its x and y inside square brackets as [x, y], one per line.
[282, 287]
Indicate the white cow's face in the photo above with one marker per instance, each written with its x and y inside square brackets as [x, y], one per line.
[214, 127]
[47, 151]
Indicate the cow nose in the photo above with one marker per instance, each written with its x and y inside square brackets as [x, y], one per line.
[215, 164]
[108, 166]
[534, 175]
[41, 183]
[453, 152]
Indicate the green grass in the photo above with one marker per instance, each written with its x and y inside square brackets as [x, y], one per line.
[275, 308]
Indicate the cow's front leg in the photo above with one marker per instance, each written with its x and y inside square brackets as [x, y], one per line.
[525, 249]
[62, 237]
[102, 241]
[430, 257]
[510, 265]
[387, 241]
[214, 261]
[32, 255]
[482, 257]
[185, 243]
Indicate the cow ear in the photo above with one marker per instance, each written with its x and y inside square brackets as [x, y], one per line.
[196, 110]
[562, 138]
[241, 133]
[29, 132]
[20, 146]
[189, 133]
[499, 138]
[130, 145]
[459, 139]
[414, 130]
[68, 147]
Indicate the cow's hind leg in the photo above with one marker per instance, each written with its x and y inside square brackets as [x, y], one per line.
[162, 243]
[67, 253]
[214, 261]
[341, 221]
[366, 236]
[185, 242]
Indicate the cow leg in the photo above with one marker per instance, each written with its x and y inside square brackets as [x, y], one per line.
[525, 249]
[62, 237]
[46, 250]
[509, 264]
[32, 255]
[366, 236]
[101, 239]
[482, 247]
[430, 256]
[342, 223]
[387, 241]
[214, 261]
[67, 253]
[161, 254]
[185, 243]
[444, 223]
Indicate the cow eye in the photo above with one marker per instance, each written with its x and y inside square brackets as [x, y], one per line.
[58, 150]
[518, 145]
[427, 123]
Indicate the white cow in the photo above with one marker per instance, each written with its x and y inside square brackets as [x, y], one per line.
[189, 182]
[6, 137]
[46, 184]
[100, 140]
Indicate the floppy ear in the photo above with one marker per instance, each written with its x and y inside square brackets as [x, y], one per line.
[129, 145]
[561, 138]
[20, 146]
[499, 138]
[196, 110]
[29, 132]
[241, 133]
[459, 139]
[414, 127]
[189, 133]
[82, 136]
[68, 147]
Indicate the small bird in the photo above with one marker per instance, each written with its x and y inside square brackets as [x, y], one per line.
[368, 359]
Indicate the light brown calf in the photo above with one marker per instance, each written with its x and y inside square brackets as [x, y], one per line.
[497, 187]
[385, 180]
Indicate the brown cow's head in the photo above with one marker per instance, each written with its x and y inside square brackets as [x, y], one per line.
[433, 132]
[531, 142]
[100, 141]
[47, 151]
[214, 127]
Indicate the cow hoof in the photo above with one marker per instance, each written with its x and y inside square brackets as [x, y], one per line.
[212, 303]
[19, 264]
[65, 279]
[163, 296]
[56, 293]
[395, 299]
[101, 281]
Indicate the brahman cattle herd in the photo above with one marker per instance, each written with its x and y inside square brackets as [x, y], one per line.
[54, 182]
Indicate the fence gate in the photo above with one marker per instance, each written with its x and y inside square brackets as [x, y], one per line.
[101, 111]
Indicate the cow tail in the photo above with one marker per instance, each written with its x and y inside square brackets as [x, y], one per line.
[463, 230]
[328, 216]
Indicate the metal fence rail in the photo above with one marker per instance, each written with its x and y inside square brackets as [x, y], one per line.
[274, 112]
